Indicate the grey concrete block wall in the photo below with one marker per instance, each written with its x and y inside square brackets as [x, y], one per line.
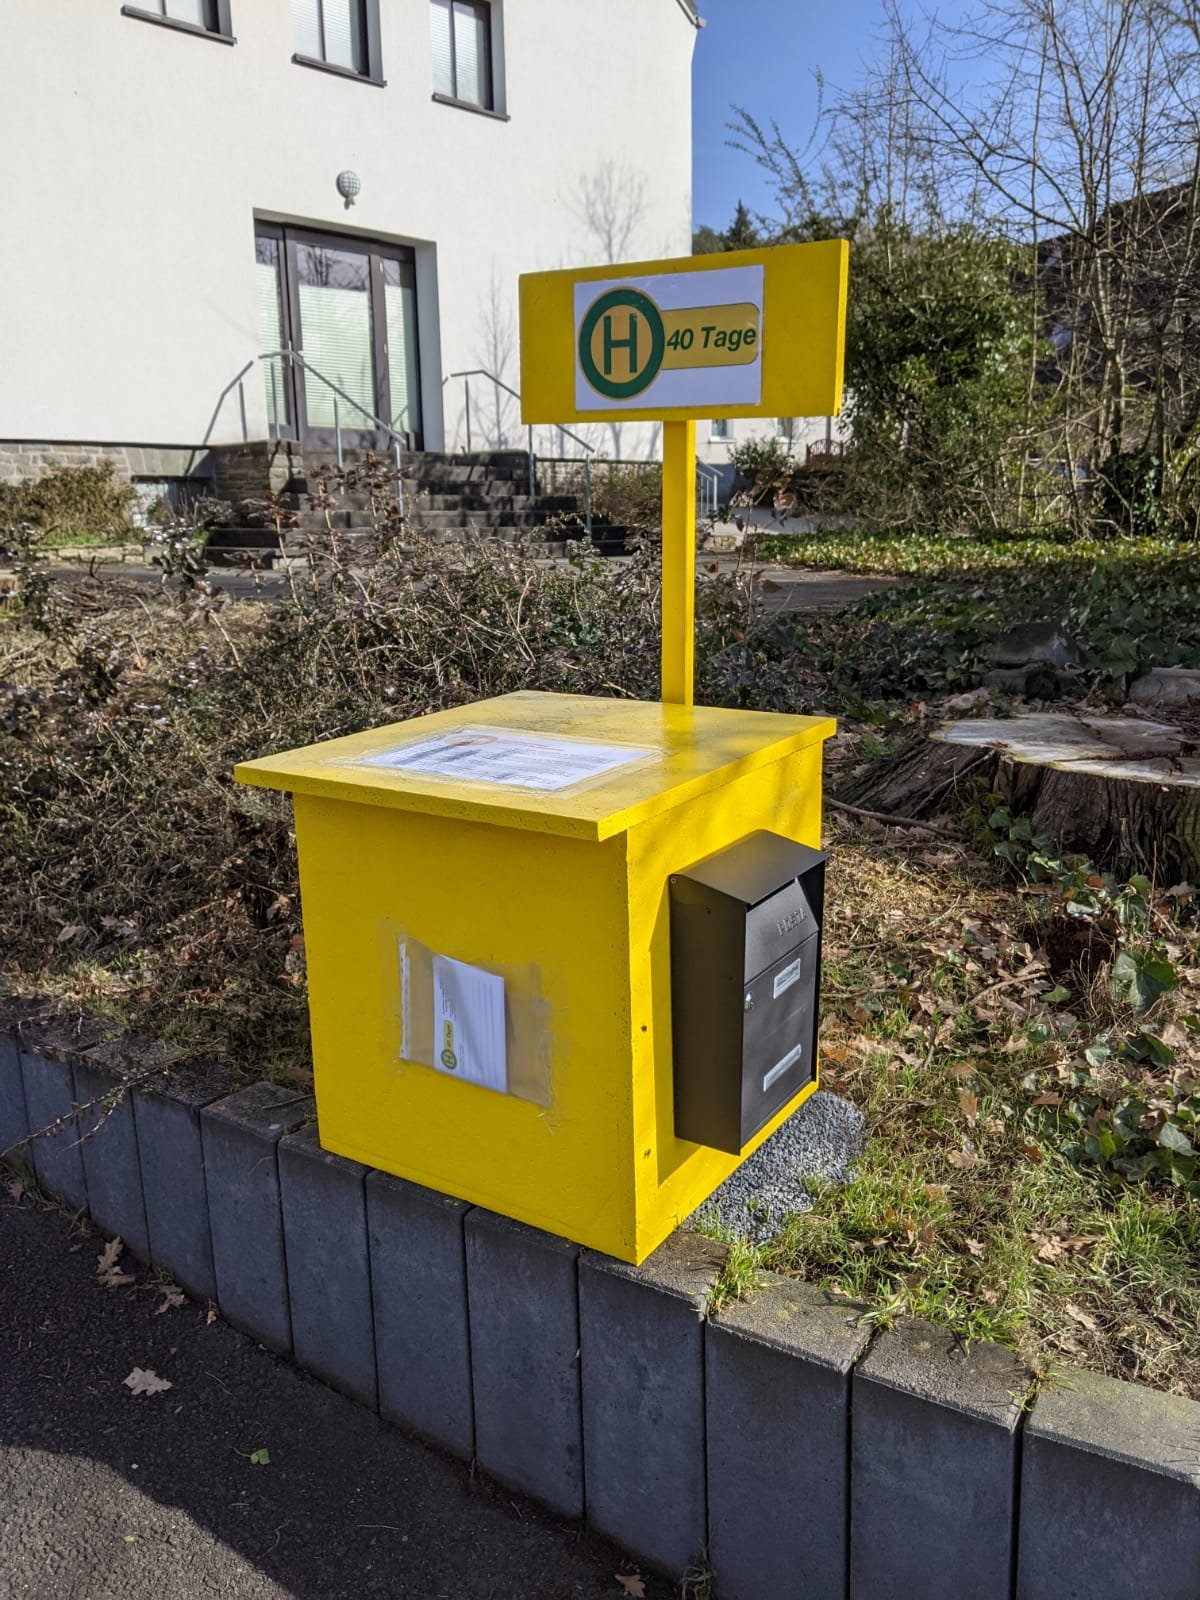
[422, 1331]
[170, 1151]
[642, 1343]
[240, 1136]
[328, 1267]
[524, 1317]
[1110, 1493]
[934, 1427]
[14, 1119]
[110, 1149]
[778, 1369]
[171, 1156]
[47, 1049]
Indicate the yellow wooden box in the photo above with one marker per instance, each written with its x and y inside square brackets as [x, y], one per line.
[568, 888]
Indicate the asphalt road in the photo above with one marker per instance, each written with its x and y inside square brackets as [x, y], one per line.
[110, 1495]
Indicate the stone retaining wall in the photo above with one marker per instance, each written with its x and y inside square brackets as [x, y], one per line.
[24, 459]
[797, 1452]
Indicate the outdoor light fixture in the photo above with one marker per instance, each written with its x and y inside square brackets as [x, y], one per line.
[349, 187]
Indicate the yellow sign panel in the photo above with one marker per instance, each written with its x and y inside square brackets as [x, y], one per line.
[750, 333]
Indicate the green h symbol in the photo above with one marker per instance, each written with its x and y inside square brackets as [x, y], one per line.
[611, 344]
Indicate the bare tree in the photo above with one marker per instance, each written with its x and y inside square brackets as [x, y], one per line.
[498, 343]
[1085, 143]
[1072, 128]
[610, 204]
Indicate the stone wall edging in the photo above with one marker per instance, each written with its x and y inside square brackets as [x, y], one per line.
[779, 1440]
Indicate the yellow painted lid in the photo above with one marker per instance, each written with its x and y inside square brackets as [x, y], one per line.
[559, 763]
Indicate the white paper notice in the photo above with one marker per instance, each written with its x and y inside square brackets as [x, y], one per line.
[521, 760]
[468, 1024]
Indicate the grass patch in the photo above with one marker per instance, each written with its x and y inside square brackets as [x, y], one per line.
[1130, 604]
[923, 555]
[964, 1208]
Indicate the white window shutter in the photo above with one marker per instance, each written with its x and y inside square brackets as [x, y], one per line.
[187, 11]
[471, 51]
[441, 22]
[342, 34]
[306, 28]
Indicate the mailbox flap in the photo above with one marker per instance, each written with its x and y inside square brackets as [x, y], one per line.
[756, 867]
[777, 926]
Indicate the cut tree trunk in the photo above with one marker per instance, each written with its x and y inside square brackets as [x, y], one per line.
[1122, 791]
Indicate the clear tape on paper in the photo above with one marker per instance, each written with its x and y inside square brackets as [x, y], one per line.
[487, 1026]
[510, 759]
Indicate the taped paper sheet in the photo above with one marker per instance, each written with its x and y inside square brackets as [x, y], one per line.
[522, 761]
[499, 1020]
[468, 1024]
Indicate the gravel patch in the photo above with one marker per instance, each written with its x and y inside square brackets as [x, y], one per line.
[823, 1140]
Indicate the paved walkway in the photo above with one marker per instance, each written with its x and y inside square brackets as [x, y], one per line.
[107, 1495]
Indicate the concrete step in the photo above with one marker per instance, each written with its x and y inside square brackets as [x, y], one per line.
[475, 501]
[422, 518]
[243, 539]
[496, 461]
[318, 521]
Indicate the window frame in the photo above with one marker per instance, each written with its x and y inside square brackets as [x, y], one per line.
[724, 437]
[374, 68]
[220, 29]
[492, 107]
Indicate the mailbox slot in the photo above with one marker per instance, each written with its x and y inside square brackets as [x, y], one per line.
[745, 981]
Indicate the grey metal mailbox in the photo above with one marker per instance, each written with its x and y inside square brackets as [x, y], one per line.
[745, 981]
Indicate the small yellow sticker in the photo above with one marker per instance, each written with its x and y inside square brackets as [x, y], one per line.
[712, 336]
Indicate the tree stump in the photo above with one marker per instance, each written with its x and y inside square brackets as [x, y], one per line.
[1122, 791]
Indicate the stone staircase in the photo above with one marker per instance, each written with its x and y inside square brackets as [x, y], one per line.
[455, 497]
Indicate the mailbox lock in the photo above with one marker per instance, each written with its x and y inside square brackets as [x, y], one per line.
[748, 1003]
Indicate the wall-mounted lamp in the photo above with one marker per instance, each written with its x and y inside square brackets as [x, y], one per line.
[349, 187]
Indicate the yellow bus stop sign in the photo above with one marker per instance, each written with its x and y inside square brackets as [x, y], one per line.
[754, 333]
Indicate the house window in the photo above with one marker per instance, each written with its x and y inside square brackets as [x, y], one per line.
[201, 16]
[719, 429]
[462, 51]
[785, 428]
[342, 35]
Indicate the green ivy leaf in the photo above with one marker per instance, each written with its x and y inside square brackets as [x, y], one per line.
[1141, 978]
[1148, 1047]
[1170, 1137]
[260, 1458]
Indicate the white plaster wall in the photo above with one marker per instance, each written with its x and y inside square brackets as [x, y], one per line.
[805, 431]
[136, 158]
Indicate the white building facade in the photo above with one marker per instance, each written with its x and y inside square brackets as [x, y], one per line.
[170, 181]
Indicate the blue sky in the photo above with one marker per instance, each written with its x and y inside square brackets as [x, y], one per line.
[762, 54]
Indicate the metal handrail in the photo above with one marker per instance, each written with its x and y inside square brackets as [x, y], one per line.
[482, 372]
[237, 383]
[399, 442]
[709, 487]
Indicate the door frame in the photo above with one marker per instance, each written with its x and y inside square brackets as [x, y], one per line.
[376, 251]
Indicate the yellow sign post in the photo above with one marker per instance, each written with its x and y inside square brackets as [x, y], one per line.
[755, 333]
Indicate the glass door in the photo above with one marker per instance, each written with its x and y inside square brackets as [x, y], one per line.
[349, 307]
[337, 338]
